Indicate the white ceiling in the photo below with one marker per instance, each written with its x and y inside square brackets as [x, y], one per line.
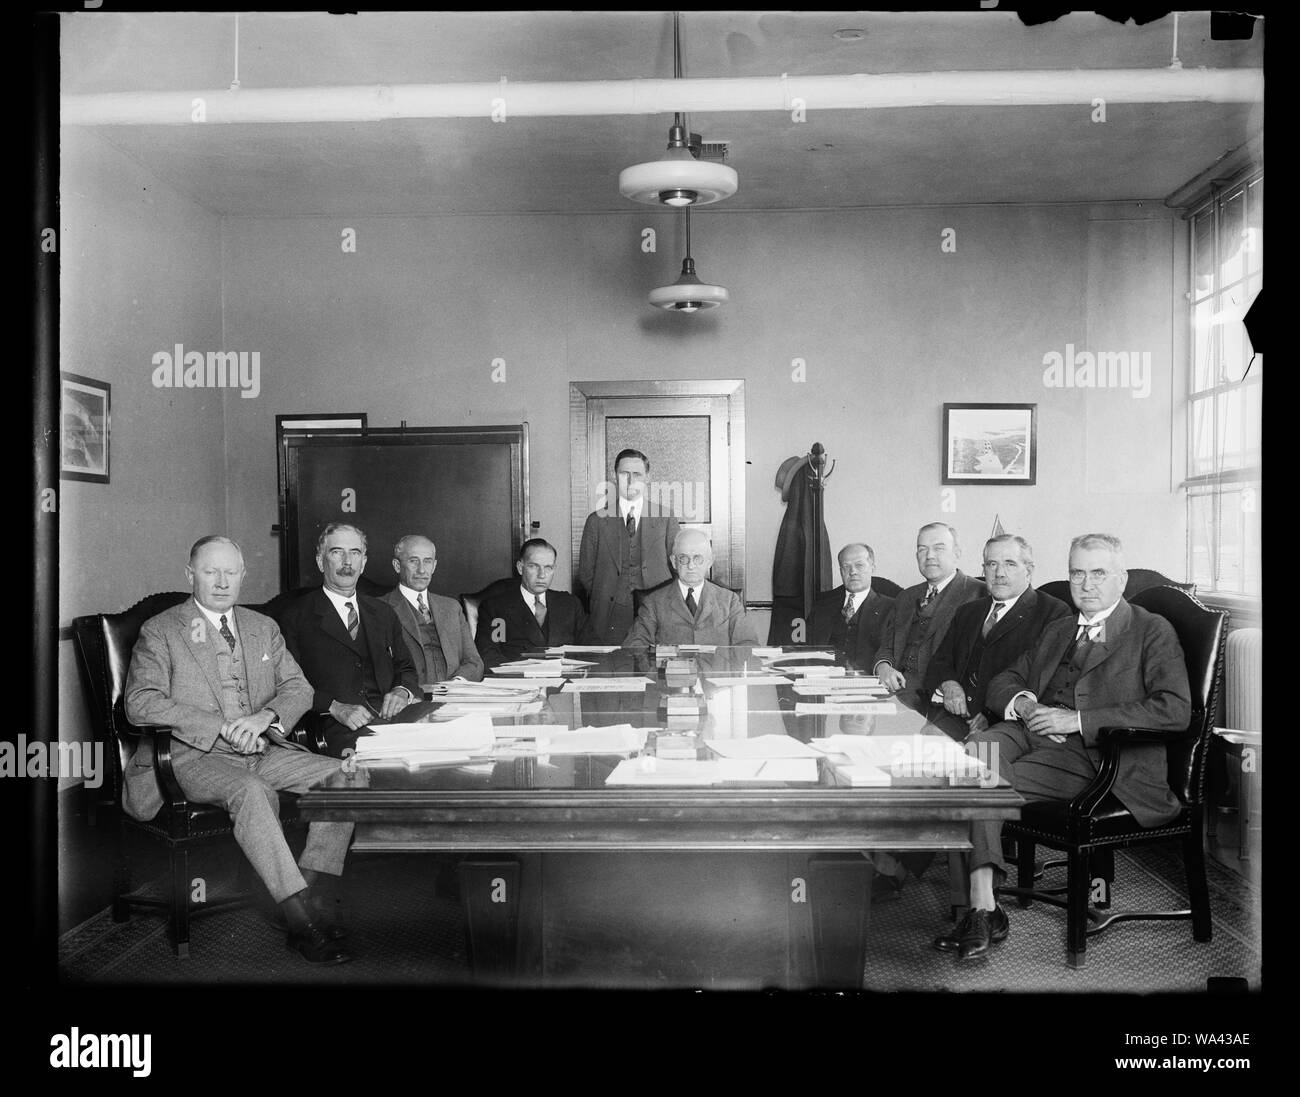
[897, 156]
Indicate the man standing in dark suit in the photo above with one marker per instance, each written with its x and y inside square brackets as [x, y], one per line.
[923, 613]
[531, 617]
[622, 552]
[1113, 665]
[986, 637]
[436, 632]
[852, 618]
[348, 644]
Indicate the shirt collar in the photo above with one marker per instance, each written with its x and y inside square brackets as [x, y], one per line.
[413, 596]
[634, 506]
[1097, 620]
[530, 597]
[215, 617]
[1007, 603]
[338, 601]
[939, 587]
[698, 588]
[857, 599]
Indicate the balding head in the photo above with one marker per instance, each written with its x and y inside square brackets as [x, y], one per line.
[692, 555]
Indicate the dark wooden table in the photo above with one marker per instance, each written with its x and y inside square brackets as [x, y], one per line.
[567, 882]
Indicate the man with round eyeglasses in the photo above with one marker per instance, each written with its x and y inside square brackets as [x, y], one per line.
[691, 609]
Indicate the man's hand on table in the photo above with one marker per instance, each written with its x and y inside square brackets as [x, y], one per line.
[394, 701]
[352, 717]
[892, 679]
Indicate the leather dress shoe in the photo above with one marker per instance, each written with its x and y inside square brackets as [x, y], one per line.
[318, 909]
[315, 947]
[973, 935]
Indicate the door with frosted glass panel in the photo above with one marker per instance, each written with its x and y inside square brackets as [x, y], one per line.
[693, 434]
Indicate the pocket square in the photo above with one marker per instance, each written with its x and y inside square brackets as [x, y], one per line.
[265, 657]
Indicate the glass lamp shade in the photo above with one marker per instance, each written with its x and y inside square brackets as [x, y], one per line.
[678, 179]
[688, 293]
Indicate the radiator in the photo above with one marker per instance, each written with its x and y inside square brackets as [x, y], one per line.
[1244, 701]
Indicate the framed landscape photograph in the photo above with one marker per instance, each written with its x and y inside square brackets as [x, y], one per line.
[83, 431]
[990, 443]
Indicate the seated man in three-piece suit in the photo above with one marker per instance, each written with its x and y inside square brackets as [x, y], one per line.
[986, 636]
[691, 610]
[1112, 665]
[436, 631]
[531, 617]
[220, 678]
[349, 645]
[852, 618]
[922, 614]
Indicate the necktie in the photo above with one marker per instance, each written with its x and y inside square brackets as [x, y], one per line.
[539, 610]
[992, 618]
[847, 611]
[423, 606]
[930, 593]
[631, 524]
[225, 631]
[1082, 641]
[353, 620]
[690, 600]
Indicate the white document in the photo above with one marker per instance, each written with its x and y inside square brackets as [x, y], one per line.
[761, 746]
[615, 739]
[861, 776]
[703, 649]
[599, 649]
[466, 734]
[527, 731]
[751, 680]
[842, 685]
[845, 708]
[768, 653]
[815, 671]
[795, 656]
[606, 685]
[492, 708]
[926, 755]
[486, 688]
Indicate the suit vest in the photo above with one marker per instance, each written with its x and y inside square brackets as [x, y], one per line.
[434, 663]
[630, 561]
[235, 699]
[1060, 687]
[919, 632]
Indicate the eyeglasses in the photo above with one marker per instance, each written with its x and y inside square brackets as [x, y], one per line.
[1098, 576]
[689, 561]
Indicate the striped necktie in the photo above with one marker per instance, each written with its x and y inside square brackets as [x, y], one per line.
[226, 633]
[353, 620]
[992, 618]
[423, 607]
[847, 611]
[930, 594]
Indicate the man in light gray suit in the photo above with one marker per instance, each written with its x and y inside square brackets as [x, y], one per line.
[435, 630]
[691, 610]
[221, 678]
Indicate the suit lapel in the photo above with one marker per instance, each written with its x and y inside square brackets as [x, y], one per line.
[257, 659]
[406, 614]
[375, 642]
[200, 637]
[1014, 617]
[529, 619]
[1051, 652]
[331, 623]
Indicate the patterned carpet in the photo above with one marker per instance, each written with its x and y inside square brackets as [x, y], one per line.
[408, 935]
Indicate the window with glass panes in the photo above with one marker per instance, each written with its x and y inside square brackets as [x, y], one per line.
[1224, 402]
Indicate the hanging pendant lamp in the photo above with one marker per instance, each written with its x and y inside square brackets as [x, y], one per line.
[688, 293]
[678, 179]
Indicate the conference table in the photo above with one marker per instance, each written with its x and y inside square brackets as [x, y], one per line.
[568, 880]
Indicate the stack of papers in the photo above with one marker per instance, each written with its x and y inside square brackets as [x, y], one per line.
[792, 656]
[487, 690]
[908, 757]
[541, 668]
[595, 649]
[413, 745]
[606, 685]
[854, 704]
[648, 771]
[492, 708]
[615, 739]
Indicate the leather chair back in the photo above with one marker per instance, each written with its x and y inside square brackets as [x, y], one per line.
[471, 602]
[885, 586]
[104, 642]
[1202, 633]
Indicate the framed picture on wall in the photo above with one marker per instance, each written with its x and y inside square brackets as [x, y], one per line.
[990, 443]
[84, 425]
